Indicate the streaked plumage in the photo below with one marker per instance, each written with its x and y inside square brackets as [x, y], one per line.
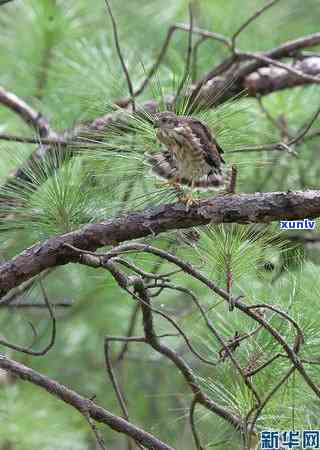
[192, 156]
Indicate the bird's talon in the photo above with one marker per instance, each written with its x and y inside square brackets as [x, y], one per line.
[189, 201]
[172, 183]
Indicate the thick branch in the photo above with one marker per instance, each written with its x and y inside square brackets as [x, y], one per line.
[239, 208]
[83, 405]
[270, 79]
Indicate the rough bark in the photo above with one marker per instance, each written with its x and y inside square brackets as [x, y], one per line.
[237, 208]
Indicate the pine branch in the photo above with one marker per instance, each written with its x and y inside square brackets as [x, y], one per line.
[216, 85]
[237, 208]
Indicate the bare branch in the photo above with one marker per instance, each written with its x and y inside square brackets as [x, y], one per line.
[36, 140]
[192, 423]
[188, 58]
[82, 404]
[48, 347]
[305, 129]
[198, 31]
[152, 339]
[250, 20]
[114, 381]
[266, 80]
[289, 68]
[123, 64]
[23, 288]
[205, 34]
[131, 327]
[22, 109]
[115, 384]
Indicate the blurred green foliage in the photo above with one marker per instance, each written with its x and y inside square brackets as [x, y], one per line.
[60, 57]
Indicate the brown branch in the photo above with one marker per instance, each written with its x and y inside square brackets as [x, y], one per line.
[219, 85]
[82, 404]
[188, 58]
[205, 34]
[211, 84]
[289, 68]
[22, 289]
[51, 343]
[302, 135]
[238, 208]
[121, 59]
[192, 423]
[131, 327]
[37, 140]
[251, 19]
[116, 386]
[198, 31]
[21, 108]
[183, 367]
[241, 306]
[140, 294]
[266, 80]
[292, 352]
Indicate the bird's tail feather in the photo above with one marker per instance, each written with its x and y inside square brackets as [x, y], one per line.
[162, 165]
[215, 180]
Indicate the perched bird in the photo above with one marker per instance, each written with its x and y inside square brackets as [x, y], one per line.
[192, 157]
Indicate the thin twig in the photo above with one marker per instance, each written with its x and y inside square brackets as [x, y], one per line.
[192, 423]
[114, 381]
[31, 305]
[196, 47]
[123, 64]
[188, 58]
[276, 123]
[204, 34]
[158, 61]
[116, 386]
[51, 343]
[23, 288]
[95, 431]
[131, 327]
[177, 360]
[305, 129]
[250, 20]
[269, 396]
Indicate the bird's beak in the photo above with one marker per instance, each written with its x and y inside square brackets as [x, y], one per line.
[156, 123]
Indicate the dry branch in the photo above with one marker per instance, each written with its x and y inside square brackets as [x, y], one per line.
[269, 79]
[83, 405]
[22, 109]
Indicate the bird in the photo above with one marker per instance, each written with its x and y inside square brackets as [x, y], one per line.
[191, 157]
